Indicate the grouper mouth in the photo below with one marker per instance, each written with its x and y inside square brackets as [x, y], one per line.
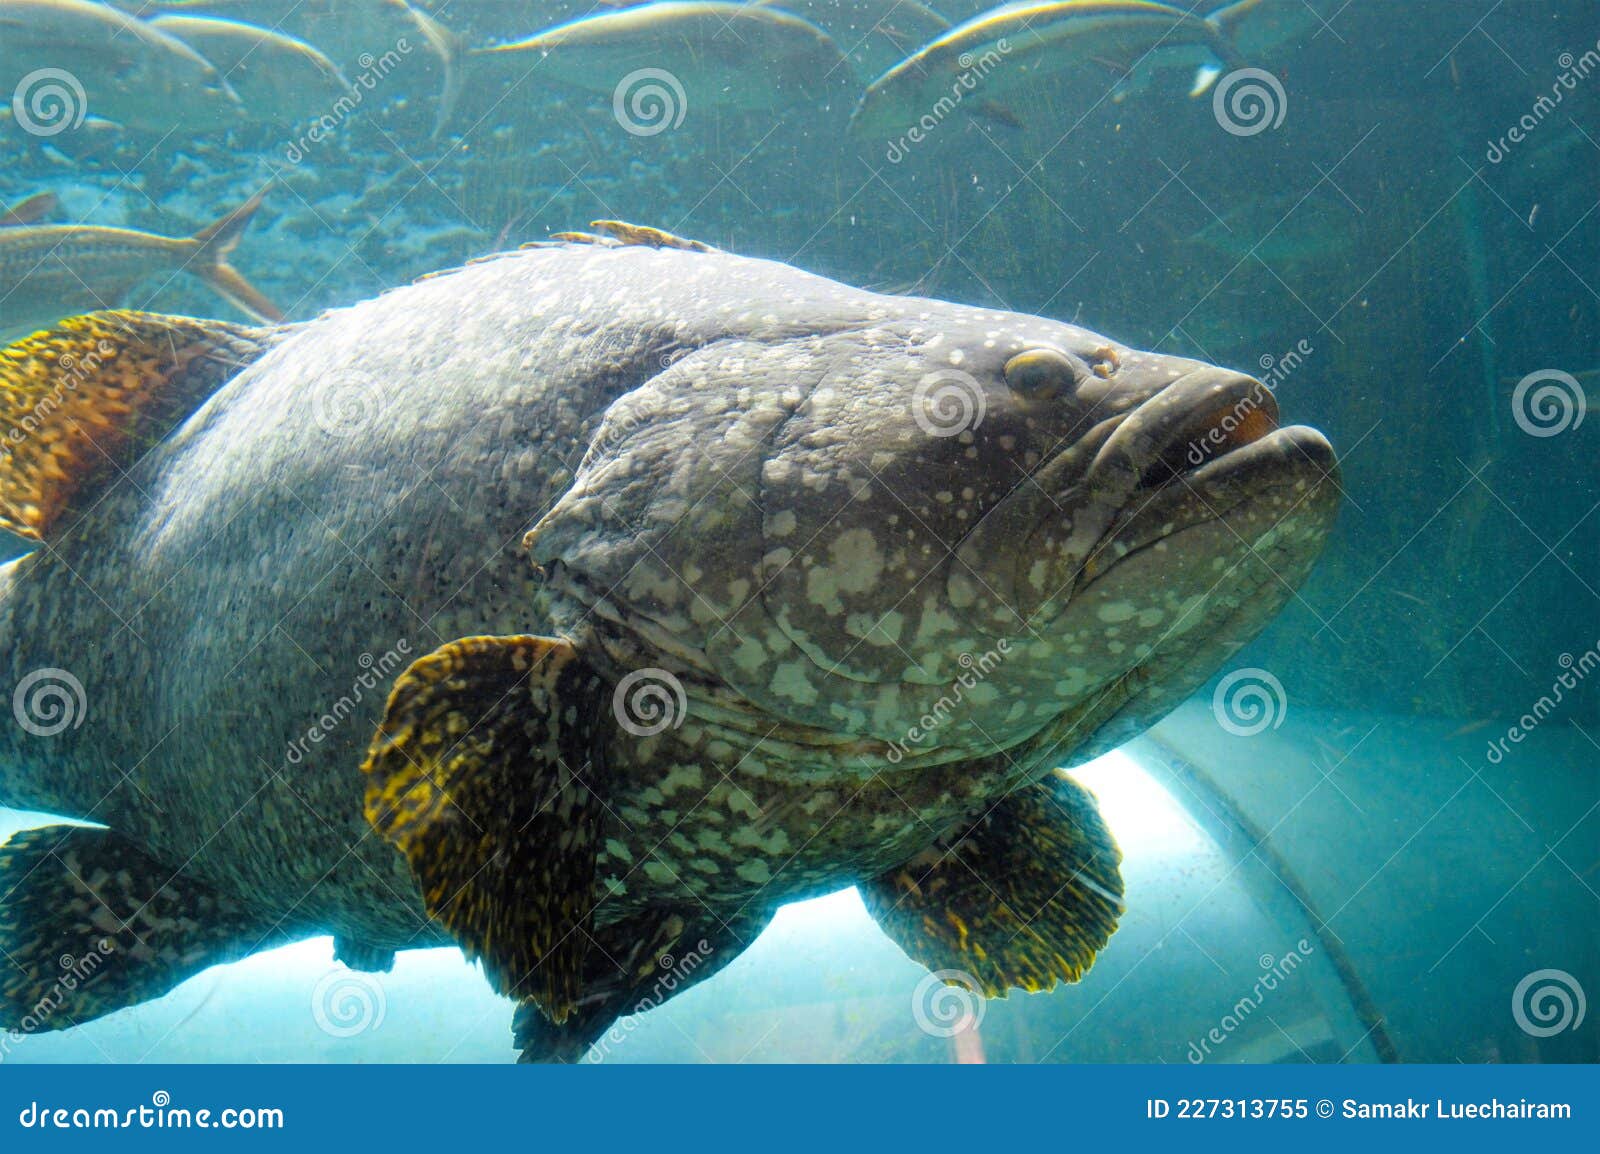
[1201, 452]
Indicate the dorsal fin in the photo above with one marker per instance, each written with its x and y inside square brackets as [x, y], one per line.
[620, 232]
[30, 211]
[83, 401]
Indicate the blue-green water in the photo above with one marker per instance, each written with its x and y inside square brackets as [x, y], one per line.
[1402, 234]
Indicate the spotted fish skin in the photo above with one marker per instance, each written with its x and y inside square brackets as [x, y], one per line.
[726, 474]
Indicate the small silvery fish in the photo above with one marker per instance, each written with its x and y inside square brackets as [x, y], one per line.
[55, 270]
[1008, 49]
[280, 79]
[388, 47]
[683, 54]
[67, 59]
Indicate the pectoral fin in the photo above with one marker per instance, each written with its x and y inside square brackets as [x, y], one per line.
[1023, 899]
[482, 775]
[82, 402]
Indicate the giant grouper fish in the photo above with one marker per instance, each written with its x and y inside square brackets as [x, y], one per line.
[583, 605]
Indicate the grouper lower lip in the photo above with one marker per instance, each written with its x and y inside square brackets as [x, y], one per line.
[1293, 468]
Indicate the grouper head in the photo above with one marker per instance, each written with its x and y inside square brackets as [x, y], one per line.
[934, 531]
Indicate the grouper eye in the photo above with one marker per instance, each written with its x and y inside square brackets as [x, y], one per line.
[1041, 374]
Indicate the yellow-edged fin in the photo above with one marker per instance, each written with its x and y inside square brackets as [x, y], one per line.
[83, 401]
[1022, 900]
[481, 775]
[642, 234]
